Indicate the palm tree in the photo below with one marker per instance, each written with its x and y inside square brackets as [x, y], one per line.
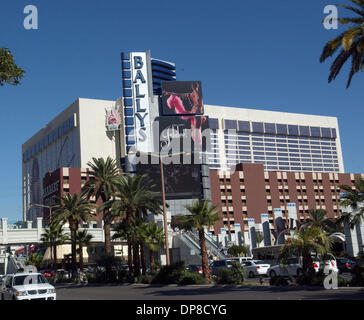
[351, 41]
[202, 215]
[154, 239]
[259, 237]
[52, 237]
[319, 219]
[134, 198]
[354, 199]
[304, 242]
[73, 209]
[83, 239]
[102, 186]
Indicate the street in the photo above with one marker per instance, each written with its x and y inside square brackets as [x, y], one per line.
[203, 292]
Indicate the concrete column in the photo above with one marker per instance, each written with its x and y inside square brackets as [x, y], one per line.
[39, 228]
[251, 226]
[237, 229]
[4, 227]
[280, 225]
[29, 224]
[292, 215]
[266, 229]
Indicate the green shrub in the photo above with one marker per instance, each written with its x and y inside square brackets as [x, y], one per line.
[358, 276]
[316, 279]
[146, 279]
[192, 278]
[278, 281]
[342, 282]
[233, 275]
[170, 274]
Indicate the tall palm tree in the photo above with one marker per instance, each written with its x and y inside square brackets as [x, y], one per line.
[73, 209]
[350, 41]
[53, 236]
[304, 242]
[134, 198]
[355, 200]
[319, 219]
[154, 239]
[102, 186]
[83, 239]
[202, 215]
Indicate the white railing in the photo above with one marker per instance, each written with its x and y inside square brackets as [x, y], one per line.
[32, 235]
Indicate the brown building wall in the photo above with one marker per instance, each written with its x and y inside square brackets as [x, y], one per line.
[256, 200]
[296, 185]
[216, 198]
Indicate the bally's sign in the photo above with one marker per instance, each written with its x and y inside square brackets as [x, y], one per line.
[141, 100]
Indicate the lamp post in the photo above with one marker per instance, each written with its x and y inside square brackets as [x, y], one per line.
[168, 261]
[44, 206]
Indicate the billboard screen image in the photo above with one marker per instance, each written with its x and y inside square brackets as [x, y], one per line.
[182, 181]
[190, 128]
[182, 97]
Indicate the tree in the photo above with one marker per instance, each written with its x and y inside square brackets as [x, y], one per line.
[52, 237]
[73, 209]
[355, 200]
[259, 237]
[320, 220]
[154, 239]
[304, 242]
[83, 239]
[34, 259]
[202, 215]
[133, 198]
[238, 251]
[351, 41]
[102, 186]
[10, 73]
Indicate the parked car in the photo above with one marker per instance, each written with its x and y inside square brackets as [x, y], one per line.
[216, 266]
[27, 286]
[345, 265]
[48, 273]
[256, 268]
[195, 268]
[293, 268]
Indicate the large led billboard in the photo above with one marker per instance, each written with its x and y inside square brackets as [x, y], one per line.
[182, 181]
[183, 133]
[182, 97]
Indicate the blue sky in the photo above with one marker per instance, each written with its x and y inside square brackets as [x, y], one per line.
[254, 54]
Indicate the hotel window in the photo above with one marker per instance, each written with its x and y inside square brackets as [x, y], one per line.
[282, 129]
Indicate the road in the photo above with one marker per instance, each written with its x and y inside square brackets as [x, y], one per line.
[204, 292]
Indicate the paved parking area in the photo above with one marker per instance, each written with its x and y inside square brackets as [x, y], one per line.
[205, 292]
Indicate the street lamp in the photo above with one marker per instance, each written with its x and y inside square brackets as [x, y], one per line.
[44, 206]
[164, 194]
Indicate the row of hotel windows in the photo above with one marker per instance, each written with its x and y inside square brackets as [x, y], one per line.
[50, 138]
[274, 128]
